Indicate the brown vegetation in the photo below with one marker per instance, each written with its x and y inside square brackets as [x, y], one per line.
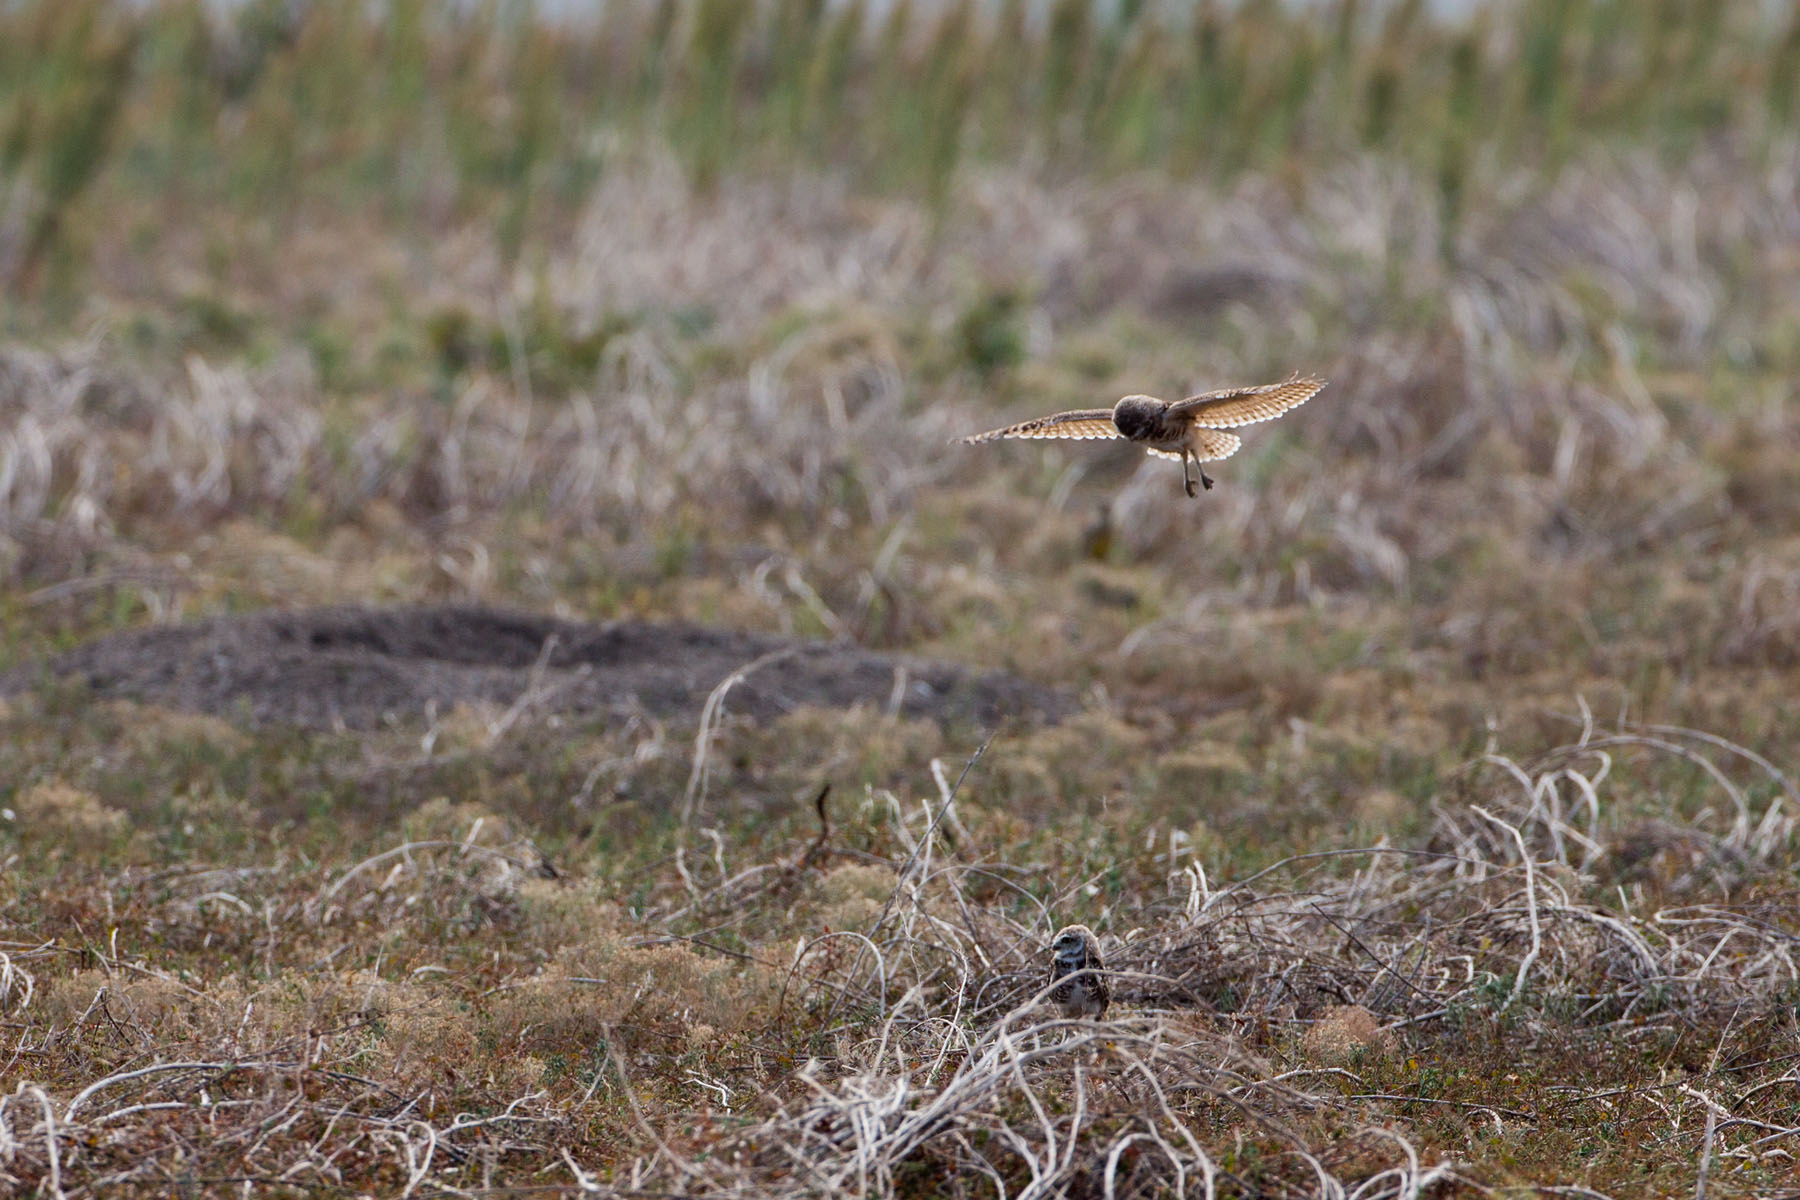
[1464, 702]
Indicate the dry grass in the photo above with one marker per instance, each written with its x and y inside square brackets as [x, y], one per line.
[1433, 784]
[1510, 408]
[1542, 980]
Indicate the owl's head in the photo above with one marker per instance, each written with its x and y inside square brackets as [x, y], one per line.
[1073, 945]
[1138, 417]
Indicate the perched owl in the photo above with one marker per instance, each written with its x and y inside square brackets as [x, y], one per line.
[1191, 430]
[1075, 964]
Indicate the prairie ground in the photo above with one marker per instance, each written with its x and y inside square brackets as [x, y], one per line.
[1429, 782]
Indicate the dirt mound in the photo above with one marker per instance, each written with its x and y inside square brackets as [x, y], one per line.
[357, 667]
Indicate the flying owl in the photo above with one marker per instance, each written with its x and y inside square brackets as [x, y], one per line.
[1074, 965]
[1191, 430]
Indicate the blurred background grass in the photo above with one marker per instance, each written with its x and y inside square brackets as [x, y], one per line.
[668, 307]
[428, 116]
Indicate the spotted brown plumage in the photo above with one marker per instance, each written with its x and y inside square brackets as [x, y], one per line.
[1190, 430]
[1075, 965]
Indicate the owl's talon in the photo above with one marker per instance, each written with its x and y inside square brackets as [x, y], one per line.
[1204, 479]
[1189, 484]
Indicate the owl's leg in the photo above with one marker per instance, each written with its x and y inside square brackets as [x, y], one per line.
[1187, 478]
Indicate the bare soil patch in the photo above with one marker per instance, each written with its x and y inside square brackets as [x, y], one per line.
[356, 667]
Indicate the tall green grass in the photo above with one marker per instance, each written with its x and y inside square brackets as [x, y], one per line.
[71, 71]
[431, 113]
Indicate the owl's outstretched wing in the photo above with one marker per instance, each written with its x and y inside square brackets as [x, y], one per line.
[1083, 423]
[1246, 406]
[1210, 445]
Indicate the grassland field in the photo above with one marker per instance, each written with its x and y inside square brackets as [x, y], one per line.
[1430, 782]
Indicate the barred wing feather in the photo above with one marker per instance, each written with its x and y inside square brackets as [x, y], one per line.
[1085, 423]
[1246, 406]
